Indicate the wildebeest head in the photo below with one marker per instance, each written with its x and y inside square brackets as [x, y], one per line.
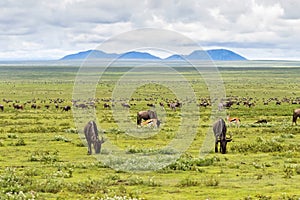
[223, 144]
[97, 145]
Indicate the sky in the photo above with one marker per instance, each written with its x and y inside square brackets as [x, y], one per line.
[51, 29]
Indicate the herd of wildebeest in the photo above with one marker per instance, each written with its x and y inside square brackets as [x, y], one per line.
[148, 117]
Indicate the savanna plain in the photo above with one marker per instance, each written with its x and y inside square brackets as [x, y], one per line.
[43, 154]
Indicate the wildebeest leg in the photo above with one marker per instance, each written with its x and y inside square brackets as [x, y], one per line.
[216, 147]
[89, 147]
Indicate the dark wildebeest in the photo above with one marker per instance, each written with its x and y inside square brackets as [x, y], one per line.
[91, 136]
[106, 105]
[261, 121]
[18, 106]
[146, 115]
[66, 108]
[296, 114]
[1, 107]
[220, 129]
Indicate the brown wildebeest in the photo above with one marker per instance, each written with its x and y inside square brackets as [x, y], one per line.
[1, 107]
[147, 115]
[220, 129]
[296, 114]
[91, 136]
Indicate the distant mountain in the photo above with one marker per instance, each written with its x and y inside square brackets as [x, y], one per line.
[90, 54]
[215, 54]
[138, 55]
[223, 54]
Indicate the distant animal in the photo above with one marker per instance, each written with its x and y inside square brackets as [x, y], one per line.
[220, 106]
[296, 114]
[1, 107]
[146, 115]
[106, 105]
[175, 105]
[233, 120]
[18, 106]
[220, 129]
[91, 136]
[66, 108]
[125, 105]
[261, 121]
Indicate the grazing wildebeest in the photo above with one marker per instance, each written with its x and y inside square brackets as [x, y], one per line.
[1, 107]
[91, 136]
[106, 105]
[220, 129]
[125, 105]
[66, 108]
[175, 105]
[147, 115]
[261, 121]
[18, 106]
[296, 114]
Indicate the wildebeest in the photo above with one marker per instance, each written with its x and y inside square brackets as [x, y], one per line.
[1, 107]
[66, 108]
[175, 105]
[125, 105]
[220, 129]
[261, 121]
[106, 105]
[296, 114]
[146, 115]
[91, 136]
[18, 106]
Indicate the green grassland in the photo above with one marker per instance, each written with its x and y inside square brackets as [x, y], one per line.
[42, 156]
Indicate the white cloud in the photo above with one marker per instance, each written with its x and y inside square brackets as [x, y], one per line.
[51, 29]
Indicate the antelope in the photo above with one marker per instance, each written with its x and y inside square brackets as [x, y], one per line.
[233, 120]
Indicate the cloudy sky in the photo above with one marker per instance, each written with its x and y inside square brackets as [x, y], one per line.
[50, 29]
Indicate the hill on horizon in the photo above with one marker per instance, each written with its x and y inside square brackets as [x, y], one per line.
[213, 54]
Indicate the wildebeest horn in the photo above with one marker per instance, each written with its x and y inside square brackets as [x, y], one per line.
[230, 137]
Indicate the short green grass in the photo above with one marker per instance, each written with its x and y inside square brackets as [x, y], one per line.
[43, 157]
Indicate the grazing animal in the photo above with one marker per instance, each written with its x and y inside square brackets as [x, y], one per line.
[106, 105]
[18, 106]
[91, 136]
[220, 129]
[146, 115]
[175, 105]
[125, 105]
[233, 120]
[1, 107]
[296, 114]
[261, 121]
[66, 108]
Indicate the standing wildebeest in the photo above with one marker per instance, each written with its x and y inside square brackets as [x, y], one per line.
[146, 115]
[1, 107]
[296, 114]
[91, 136]
[220, 130]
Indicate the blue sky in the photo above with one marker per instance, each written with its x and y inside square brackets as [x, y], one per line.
[261, 29]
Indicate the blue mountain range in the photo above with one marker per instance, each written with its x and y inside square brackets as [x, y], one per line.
[214, 54]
